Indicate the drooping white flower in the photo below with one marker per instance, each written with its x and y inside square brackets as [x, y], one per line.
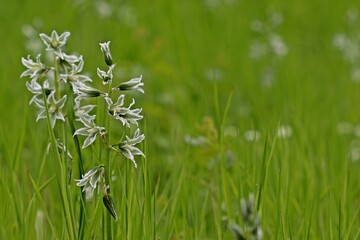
[66, 60]
[91, 131]
[127, 147]
[35, 88]
[83, 112]
[106, 76]
[132, 84]
[73, 75]
[54, 42]
[34, 69]
[84, 91]
[91, 179]
[54, 107]
[125, 114]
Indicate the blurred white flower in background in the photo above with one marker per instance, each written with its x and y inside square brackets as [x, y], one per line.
[252, 135]
[354, 154]
[33, 44]
[278, 45]
[267, 47]
[348, 43]
[214, 74]
[357, 130]
[284, 131]
[196, 141]
[344, 128]
[103, 9]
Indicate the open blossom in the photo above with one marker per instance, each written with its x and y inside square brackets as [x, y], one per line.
[132, 84]
[54, 42]
[91, 131]
[91, 179]
[35, 88]
[73, 75]
[54, 107]
[125, 114]
[127, 147]
[34, 69]
[83, 112]
[106, 76]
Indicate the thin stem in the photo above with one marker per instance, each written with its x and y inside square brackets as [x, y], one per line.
[61, 176]
[108, 222]
[71, 120]
[56, 78]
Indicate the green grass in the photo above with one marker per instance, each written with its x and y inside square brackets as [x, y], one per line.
[305, 186]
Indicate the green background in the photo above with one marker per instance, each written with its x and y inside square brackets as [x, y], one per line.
[312, 187]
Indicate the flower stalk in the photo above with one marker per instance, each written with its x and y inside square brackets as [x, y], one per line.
[63, 99]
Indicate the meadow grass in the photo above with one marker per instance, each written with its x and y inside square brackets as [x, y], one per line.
[199, 81]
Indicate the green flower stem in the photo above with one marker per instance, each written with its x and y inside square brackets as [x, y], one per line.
[56, 78]
[71, 120]
[108, 221]
[61, 176]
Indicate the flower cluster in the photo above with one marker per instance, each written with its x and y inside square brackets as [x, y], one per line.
[53, 85]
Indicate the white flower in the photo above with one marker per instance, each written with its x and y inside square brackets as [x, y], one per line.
[54, 107]
[127, 147]
[91, 131]
[84, 91]
[284, 131]
[103, 9]
[133, 84]
[278, 45]
[105, 48]
[66, 61]
[82, 112]
[91, 179]
[345, 128]
[35, 69]
[73, 75]
[196, 141]
[125, 115]
[106, 76]
[35, 88]
[54, 42]
[252, 135]
[68, 58]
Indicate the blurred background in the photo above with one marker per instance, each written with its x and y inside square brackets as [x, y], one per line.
[278, 59]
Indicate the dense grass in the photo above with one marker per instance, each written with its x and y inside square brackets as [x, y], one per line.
[306, 186]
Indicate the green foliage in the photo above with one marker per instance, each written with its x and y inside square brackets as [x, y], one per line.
[199, 165]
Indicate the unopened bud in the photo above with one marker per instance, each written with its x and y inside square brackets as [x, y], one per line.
[109, 204]
[105, 48]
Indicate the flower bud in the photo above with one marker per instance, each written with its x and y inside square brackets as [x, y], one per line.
[105, 48]
[109, 204]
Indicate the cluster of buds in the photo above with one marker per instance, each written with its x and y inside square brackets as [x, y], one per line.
[53, 86]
